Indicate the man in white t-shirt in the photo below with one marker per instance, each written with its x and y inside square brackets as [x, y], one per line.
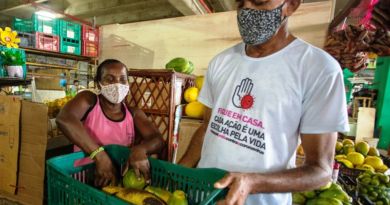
[263, 96]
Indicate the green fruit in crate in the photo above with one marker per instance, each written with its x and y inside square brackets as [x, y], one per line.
[346, 163]
[181, 65]
[383, 178]
[298, 198]
[327, 186]
[340, 156]
[356, 158]
[362, 147]
[348, 142]
[373, 152]
[324, 201]
[336, 194]
[178, 198]
[309, 194]
[348, 148]
[375, 162]
[335, 186]
[130, 180]
[365, 167]
[139, 197]
[163, 194]
[339, 147]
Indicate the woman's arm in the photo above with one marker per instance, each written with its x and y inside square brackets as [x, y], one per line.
[152, 142]
[69, 122]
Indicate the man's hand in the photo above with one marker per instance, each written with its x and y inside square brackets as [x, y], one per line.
[239, 185]
[245, 88]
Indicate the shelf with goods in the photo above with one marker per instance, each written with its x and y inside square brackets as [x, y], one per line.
[14, 81]
[157, 92]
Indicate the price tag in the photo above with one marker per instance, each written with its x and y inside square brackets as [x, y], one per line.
[47, 29]
[71, 49]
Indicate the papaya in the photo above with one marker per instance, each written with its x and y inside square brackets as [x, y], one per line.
[112, 189]
[163, 194]
[178, 198]
[336, 194]
[139, 197]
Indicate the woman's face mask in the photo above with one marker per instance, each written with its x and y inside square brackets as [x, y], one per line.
[115, 93]
[258, 26]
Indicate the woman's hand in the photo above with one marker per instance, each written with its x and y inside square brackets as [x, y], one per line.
[239, 185]
[139, 161]
[105, 171]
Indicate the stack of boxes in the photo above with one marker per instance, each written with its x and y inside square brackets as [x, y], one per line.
[57, 35]
[90, 41]
[70, 34]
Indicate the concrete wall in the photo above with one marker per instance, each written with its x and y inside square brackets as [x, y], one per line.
[152, 44]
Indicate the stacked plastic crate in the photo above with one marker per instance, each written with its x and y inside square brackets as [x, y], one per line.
[70, 37]
[90, 41]
[38, 32]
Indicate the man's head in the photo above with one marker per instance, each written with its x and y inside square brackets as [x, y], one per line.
[260, 20]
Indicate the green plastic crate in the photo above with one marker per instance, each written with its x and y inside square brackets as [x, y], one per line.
[71, 46]
[69, 30]
[37, 24]
[69, 185]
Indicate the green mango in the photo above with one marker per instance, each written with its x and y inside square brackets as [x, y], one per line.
[337, 194]
[309, 194]
[162, 193]
[298, 198]
[335, 186]
[324, 201]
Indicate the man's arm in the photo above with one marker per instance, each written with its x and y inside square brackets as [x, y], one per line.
[192, 155]
[316, 172]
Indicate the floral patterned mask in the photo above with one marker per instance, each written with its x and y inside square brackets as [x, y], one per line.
[115, 93]
[258, 26]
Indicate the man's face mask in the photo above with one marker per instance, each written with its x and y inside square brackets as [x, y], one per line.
[258, 26]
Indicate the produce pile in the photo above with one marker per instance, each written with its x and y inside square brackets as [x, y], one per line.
[331, 194]
[194, 108]
[360, 156]
[375, 187]
[56, 105]
[137, 192]
[180, 65]
[351, 46]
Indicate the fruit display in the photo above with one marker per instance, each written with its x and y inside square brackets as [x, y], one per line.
[359, 156]
[331, 194]
[375, 187]
[194, 108]
[181, 65]
[136, 191]
[56, 105]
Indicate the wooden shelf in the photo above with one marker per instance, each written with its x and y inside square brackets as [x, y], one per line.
[51, 66]
[14, 81]
[59, 55]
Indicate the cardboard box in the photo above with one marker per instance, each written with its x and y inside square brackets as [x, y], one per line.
[187, 128]
[9, 142]
[33, 142]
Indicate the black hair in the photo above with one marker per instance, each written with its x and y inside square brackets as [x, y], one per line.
[102, 65]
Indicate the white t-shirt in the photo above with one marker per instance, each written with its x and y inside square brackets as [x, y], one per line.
[261, 105]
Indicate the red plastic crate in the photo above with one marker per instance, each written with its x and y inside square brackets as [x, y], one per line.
[90, 48]
[90, 34]
[47, 42]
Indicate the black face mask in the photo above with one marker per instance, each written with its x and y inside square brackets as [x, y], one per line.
[258, 26]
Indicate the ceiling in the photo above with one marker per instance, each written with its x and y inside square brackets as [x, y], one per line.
[103, 12]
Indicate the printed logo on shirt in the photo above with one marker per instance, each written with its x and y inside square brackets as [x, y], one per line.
[242, 97]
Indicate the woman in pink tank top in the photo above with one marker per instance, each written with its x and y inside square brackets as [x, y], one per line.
[91, 121]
